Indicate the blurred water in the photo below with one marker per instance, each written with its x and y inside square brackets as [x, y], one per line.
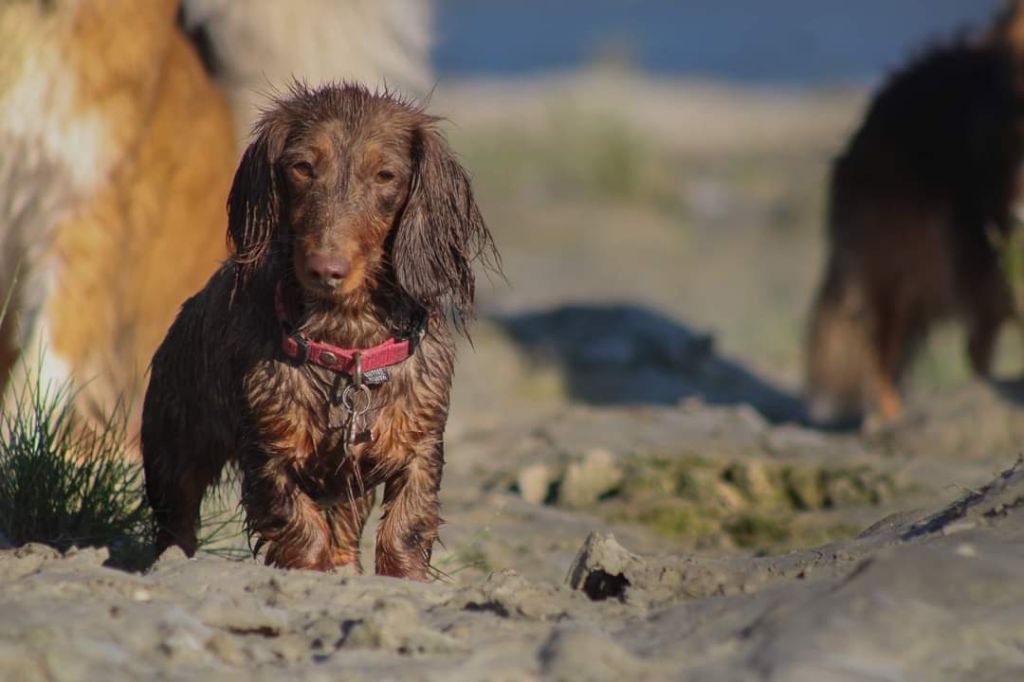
[795, 42]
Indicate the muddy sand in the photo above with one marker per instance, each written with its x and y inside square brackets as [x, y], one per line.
[630, 492]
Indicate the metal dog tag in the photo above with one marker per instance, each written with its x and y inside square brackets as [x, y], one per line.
[376, 377]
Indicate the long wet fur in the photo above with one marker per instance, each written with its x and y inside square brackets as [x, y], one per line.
[928, 177]
[221, 389]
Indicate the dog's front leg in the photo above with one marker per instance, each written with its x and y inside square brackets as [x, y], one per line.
[283, 517]
[412, 513]
[347, 520]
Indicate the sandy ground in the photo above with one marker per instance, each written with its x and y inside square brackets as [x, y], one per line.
[919, 595]
[629, 492]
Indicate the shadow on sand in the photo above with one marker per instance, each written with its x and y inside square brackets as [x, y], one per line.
[1011, 390]
[625, 354]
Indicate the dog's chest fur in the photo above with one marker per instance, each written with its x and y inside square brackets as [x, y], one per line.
[346, 425]
[303, 417]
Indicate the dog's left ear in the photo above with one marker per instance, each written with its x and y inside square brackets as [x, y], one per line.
[441, 232]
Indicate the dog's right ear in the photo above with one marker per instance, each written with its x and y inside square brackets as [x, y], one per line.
[254, 203]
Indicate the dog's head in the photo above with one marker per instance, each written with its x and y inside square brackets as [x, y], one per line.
[357, 191]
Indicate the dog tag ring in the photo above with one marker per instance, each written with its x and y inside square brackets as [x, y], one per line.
[356, 400]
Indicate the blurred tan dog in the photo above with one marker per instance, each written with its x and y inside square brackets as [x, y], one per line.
[118, 154]
[119, 148]
[928, 180]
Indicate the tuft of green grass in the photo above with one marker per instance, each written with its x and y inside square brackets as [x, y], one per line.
[67, 483]
[222, 530]
[467, 555]
[759, 531]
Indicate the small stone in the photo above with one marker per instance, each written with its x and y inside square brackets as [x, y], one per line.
[587, 481]
[604, 551]
[14, 567]
[38, 550]
[141, 595]
[966, 550]
[94, 556]
[756, 482]
[534, 482]
[958, 527]
[602, 555]
[509, 595]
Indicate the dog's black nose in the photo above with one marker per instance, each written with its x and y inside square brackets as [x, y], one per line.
[327, 269]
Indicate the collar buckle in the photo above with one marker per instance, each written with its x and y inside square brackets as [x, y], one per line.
[357, 371]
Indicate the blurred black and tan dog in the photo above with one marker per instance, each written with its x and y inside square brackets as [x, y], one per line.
[925, 188]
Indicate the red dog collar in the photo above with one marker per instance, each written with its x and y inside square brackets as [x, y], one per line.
[302, 349]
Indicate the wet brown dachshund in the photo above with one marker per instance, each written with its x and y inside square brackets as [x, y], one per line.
[354, 230]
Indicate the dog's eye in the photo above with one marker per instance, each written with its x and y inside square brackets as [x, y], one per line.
[385, 176]
[302, 169]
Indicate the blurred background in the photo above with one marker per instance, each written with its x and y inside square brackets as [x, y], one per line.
[673, 156]
[655, 175]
